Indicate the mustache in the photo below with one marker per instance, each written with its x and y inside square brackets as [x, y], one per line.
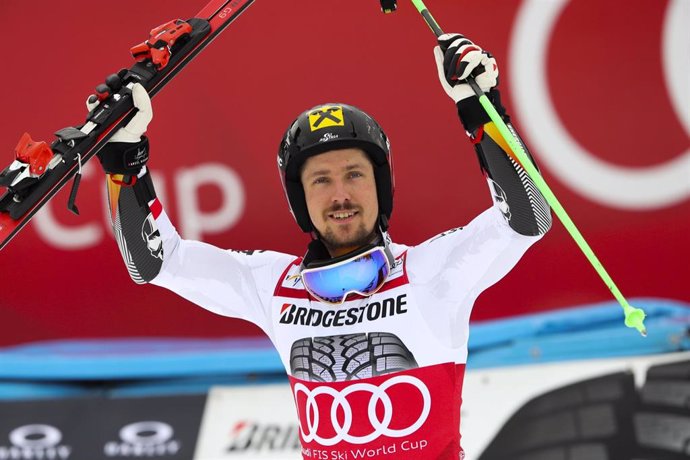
[342, 207]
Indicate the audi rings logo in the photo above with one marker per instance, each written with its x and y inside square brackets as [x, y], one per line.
[340, 403]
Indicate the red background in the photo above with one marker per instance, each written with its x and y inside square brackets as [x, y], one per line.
[232, 104]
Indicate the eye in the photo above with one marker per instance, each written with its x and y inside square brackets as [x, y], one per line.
[354, 174]
[320, 180]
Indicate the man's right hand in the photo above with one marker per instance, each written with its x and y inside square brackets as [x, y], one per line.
[128, 150]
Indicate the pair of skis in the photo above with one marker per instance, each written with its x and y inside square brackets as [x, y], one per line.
[40, 170]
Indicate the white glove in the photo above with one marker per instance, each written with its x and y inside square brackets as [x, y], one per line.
[136, 128]
[127, 151]
[457, 58]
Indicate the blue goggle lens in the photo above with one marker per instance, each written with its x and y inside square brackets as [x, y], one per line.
[363, 274]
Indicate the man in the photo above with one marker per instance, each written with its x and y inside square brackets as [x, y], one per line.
[373, 334]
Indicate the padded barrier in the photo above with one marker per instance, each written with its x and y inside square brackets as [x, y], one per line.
[140, 366]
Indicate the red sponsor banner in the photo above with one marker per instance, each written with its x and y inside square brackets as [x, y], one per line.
[604, 111]
[406, 415]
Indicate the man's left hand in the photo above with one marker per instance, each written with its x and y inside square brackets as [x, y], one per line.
[457, 58]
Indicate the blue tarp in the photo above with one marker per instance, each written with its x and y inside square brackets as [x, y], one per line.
[582, 332]
[141, 366]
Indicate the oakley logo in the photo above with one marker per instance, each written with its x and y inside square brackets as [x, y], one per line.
[144, 439]
[35, 436]
[303, 316]
[35, 441]
[317, 399]
[146, 433]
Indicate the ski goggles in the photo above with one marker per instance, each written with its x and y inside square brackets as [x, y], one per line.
[362, 274]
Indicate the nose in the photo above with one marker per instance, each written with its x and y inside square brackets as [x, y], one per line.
[341, 192]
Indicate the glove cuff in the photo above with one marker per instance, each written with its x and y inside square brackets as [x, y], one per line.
[124, 157]
[472, 114]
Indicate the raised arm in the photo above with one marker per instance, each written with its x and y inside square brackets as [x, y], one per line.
[131, 192]
[230, 283]
[513, 192]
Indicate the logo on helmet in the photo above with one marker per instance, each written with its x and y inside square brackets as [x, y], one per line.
[328, 137]
[326, 116]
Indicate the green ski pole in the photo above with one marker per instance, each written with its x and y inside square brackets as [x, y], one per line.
[634, 317]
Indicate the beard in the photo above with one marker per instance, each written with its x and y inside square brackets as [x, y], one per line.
[361, 237]
[343, 242]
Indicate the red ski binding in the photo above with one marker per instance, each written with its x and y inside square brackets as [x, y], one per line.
[36, 154]
[32, 160]
[158, 46]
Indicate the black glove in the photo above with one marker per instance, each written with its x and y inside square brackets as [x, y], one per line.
[124, 157]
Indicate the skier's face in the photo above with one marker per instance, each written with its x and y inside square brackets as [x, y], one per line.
[340, 190]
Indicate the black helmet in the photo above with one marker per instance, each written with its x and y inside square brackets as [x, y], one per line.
[331, 127]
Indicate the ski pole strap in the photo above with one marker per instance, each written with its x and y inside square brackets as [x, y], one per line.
[473, 116]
